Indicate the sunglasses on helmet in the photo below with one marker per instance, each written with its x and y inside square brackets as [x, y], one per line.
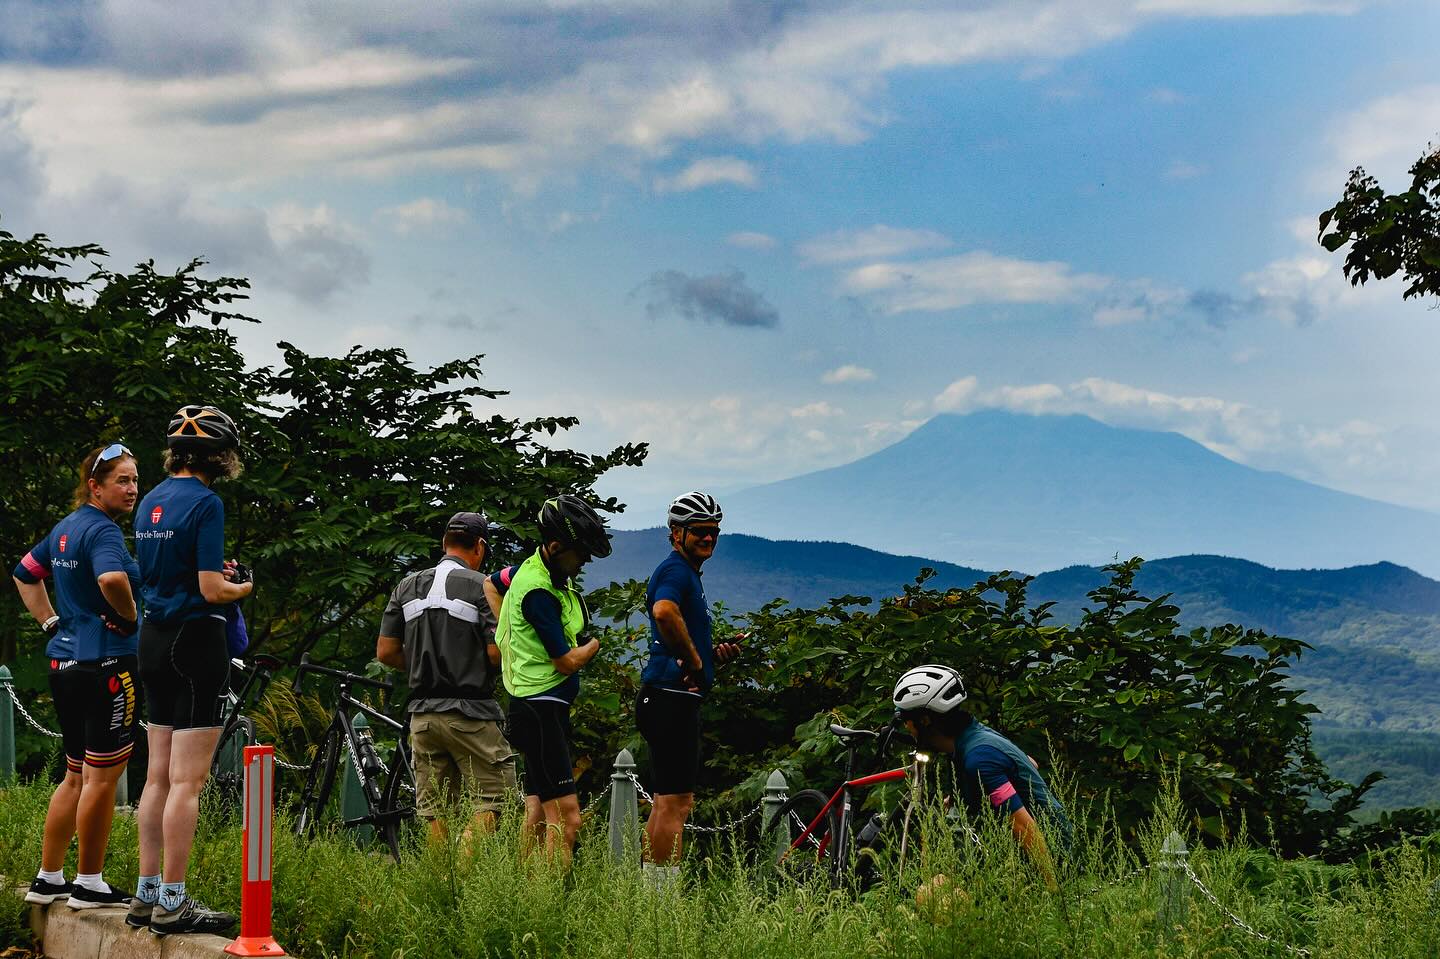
[109, 453]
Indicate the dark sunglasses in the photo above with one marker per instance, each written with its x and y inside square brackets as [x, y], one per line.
[703, 532]
[109, 453]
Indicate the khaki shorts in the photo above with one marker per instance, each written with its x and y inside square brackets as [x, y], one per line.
[458, 758]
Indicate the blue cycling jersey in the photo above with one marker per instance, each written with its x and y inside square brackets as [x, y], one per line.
[996, 772]
[676, 580]
[179, 533]
[79, 550]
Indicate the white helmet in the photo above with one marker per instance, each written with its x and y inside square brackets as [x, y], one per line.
[936, 688]
[696, 507]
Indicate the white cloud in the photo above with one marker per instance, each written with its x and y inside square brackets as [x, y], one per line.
[1165, 95]
[235, 95]
[747, 240]
[420, 215]
[849, 373]
[958, 397]
[710, 171]
[978, 277]
[1385, 136]
[817, 410]
[871, 243]
[1236, 430]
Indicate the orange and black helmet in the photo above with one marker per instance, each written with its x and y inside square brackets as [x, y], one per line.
[195, 427]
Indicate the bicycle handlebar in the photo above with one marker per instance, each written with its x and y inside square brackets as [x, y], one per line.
[351, 678]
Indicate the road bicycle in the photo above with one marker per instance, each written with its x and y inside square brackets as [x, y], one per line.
[821, 828]
[388, 788]
[237, 730]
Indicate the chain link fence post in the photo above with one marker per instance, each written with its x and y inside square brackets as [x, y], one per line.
[7, 729]
[352, 790]
[1174, 887]
[624, 810]
[776, 792]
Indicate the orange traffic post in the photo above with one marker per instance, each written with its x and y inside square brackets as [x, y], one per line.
[255, 889]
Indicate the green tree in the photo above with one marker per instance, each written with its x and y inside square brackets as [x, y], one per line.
[1118, 702]
[1390, 233]
[351, 462]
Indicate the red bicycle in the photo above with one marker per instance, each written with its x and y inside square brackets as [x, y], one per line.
[820, 827]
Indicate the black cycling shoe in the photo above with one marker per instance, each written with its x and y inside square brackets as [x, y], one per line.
[192, 916]
[139, 914]
[43, 893]
[82, 898]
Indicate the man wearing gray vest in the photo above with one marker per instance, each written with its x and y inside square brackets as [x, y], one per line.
[439, 628]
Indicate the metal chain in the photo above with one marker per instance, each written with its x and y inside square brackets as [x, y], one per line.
[644, 796]
[1236, 920]
[809, 837]
[15, 698]
[732, 824]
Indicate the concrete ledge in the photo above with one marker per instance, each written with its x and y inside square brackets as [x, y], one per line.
[65, 933]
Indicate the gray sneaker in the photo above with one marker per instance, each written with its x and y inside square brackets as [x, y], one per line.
[139, 914]
[192, 916]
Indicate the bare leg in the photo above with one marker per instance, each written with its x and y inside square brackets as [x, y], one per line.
[665, 829]
[149, 818]
[96, 811]
[562, 826]
[60, 822]
[532, 831]
[190, 754]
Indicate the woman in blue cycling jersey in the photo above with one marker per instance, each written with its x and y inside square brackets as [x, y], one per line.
[186, 585]
[93, 675]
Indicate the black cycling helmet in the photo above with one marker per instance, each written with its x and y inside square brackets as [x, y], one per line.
[570, 520]
[202, 428]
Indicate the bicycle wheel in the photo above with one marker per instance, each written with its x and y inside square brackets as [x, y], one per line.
[227, 767]
[397, 802]
[319, 783]
[810, 856]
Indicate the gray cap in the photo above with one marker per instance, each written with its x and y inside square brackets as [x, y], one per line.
[476, 524]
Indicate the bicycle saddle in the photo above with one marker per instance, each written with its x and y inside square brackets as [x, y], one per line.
[846, 733]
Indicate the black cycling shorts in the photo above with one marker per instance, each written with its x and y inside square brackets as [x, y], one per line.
[670, 723]
[97, 704]
[184, 668]
[540, 730]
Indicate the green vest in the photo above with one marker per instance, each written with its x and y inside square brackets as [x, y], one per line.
[525, 665]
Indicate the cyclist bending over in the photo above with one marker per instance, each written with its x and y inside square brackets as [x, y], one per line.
[993, 770]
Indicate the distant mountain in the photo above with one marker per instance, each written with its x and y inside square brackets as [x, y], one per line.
[1374, 672]
[1375, 629]
[1001, 490]
[747, 571]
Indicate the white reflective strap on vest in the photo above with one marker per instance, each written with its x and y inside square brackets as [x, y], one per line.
[436, 599]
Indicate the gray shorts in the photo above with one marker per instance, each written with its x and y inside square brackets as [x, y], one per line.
[460, 759]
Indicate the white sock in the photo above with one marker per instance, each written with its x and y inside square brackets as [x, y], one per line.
[659, 877]
[92, 881]
[56, 878]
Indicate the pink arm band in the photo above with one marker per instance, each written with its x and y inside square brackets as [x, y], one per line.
[1002, 795]
[34, 568]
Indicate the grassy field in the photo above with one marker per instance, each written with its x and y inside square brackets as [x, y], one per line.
[480, 899]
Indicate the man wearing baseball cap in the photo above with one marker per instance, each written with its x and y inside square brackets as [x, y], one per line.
[439, 629]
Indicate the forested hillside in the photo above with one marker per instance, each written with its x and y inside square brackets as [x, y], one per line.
[1374, 671]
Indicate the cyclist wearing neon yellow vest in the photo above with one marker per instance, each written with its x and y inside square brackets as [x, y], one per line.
[540, 622]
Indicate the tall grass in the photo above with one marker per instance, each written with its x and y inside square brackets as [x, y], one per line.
[478, 898]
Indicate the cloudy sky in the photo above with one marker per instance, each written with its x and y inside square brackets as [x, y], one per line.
[771, 237]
